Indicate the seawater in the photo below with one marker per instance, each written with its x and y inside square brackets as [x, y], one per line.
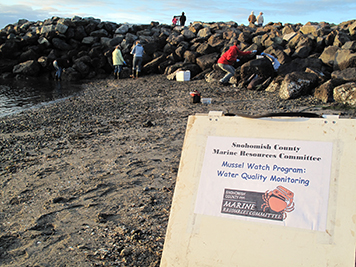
[19, 95]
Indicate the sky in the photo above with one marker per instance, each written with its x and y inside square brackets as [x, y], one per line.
[162, 11]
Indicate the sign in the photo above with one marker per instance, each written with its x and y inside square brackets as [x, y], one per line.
[264, 192]
[284, 182]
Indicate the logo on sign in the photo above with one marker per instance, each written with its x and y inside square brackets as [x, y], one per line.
[272, 205]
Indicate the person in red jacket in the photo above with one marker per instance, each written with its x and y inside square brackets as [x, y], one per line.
[227, 60]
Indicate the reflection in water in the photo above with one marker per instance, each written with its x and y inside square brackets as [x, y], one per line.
[19, 95]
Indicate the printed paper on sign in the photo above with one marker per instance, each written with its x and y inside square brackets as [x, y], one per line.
[283, 182]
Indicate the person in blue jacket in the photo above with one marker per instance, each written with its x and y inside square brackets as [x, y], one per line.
[273, 59]
[137, 53]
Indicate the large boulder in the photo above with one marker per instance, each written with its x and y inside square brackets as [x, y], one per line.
[152, 66]
[325, 92]
[346, 94]
[296, 84]
[8, 50]
[207, 61]
[310, 28]
[204, 33]
[188, 34]
[328, 55]
[347, 75]
[300, 65]
[28, 68]
[262, 67]
[7, 65]
[205, 49]
[344, 59]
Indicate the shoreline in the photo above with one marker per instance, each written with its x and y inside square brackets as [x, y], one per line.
[89, 181]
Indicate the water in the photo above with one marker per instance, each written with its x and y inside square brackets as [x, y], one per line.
[20, 95]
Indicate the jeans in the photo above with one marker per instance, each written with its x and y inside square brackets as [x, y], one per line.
[137, 61]
[230, 72]
[58, 69]
[118, 68]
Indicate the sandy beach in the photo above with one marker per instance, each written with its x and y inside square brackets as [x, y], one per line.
[88, 181]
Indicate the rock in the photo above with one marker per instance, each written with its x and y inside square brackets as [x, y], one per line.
[188, 34]
[207, 61]
[318, 46]
[296, 84]
[346, 94]
[340, 39]
[325, 92]
[28, 55]
[204, 33]
[100, 33]
[60, 44]
[89, 40]
[352, 29]
[262, 67]
[275, 85]
[152, 66]
[310, 29]
[7, 65]
[61, 28]
[8, 50]
[205, 49]
[344, 59]
[28, 68]
[328, 55]
[347, 75]
[123, 29]
[300, 65]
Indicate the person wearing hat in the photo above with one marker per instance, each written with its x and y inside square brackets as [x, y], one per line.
[252, 18]
[260, 19]
[118, 61]
[137, 53]
[228, 59]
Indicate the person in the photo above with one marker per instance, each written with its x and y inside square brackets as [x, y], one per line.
[137, 53]
[59, 65]
[252, 18]
[118, 61]
[260, 19]
[227, 60]
[174, 20]
[273, 58]
[182, 19]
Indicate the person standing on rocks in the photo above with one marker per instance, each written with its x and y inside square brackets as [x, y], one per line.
[59, 65]
[118, 61]
[182, 19]
[228, 59]
[260, 19]
[137, 53]
[252, 18]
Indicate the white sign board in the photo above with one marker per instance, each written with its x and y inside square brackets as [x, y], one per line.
[264, 192]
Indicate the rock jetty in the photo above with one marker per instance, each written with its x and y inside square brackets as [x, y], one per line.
[316, 58]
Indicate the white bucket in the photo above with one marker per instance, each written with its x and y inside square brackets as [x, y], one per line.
[183, 76]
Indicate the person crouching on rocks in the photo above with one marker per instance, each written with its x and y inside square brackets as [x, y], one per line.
[59, 65]
[228, 59]
[137, 53]
[118, 61]
[273, 59]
